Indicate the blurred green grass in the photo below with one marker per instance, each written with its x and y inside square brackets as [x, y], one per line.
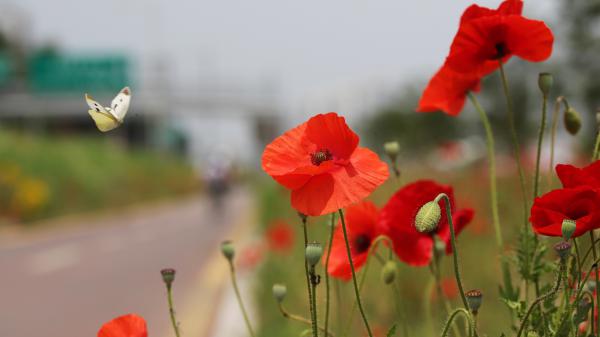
[44, 176]
[480, 263]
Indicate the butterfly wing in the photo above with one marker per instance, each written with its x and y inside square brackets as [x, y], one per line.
[103, 117]
[120, 104]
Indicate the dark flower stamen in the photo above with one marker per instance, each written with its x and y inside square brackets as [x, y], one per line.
[362, 243]
[501, 50]
[320, 156]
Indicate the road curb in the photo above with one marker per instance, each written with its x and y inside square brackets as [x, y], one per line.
[198, 312]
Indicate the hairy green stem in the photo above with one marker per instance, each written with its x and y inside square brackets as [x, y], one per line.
[356, 291]
[301, 319]
[515, 140]
[468, 317]
[239, 299]
[489, 136]
[306, 271]
[542, 298]
[454, 247]
[313, 290]
[554, 126]
[172, 311]
[332, 225]
[536, 179]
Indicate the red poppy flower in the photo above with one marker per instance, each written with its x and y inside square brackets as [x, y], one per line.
[579, 204]
[321, 163]
[571, 176]
[447, 90]
[508, 7]
[398, 217]
[449, 289]
[361, 225]
[251, 255]
[481, 42]
[130, 325]
[280, 236]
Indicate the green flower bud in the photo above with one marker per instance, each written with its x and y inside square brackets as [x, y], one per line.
[313, 253]
[568, 228]
[391, 150]
[428, 217]
[168, 276]
[545, 82]
[563, 249]
[474, 299]
[279, 292]
[228, 250]
[572, 121]
[389, 271]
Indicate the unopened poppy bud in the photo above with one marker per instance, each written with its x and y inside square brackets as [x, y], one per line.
[568, 228]
[428, 217]
[389, 271]
[545, 82]
[313, 253]
[228, 250]
[474, 299]
[279, 292]
[572, 121]
[168, 276]
[391, 150]
[563, 249]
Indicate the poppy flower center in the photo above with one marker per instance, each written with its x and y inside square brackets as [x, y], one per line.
[320, 156]
[501, 50]
[362, 243]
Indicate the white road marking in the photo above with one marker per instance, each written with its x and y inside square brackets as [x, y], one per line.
[54, 259]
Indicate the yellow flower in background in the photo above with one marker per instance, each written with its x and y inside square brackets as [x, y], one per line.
[30, 195]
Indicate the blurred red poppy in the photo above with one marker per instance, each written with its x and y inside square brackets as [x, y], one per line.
[571, 176]
[130, 325]
[321, 163]
[361, 224]
[447, 90]
[483, 40]
[280, 236]
[579, 204]
[251, 255]
[448, 287]
[398, 217]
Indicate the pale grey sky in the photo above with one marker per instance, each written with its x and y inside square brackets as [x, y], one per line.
[308, 47]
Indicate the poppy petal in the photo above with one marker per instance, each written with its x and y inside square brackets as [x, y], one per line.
[446, 91]
[130, 325]
[529, 39]
[330, 131]
[343, 186]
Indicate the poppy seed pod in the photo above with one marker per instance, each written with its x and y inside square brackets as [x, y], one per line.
[572, 121]
[568, 228]
[545, 82]
[279, 292]
[474, 299]
[563, 249]
[168, 276]
[389, 271]
[428, 217]
[313, 253]
[228, 250]
[391, 150]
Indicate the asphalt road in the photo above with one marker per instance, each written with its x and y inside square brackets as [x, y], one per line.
[66, 283]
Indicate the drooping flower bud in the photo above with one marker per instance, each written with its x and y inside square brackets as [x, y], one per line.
[428, 217]
[572, 121]
[389, 271]
[168, 276]
[313, 253]
[474, 299]
[568, 228]
[228, 250]
[563, 249]
[279, 292]
[545, 82]
[391, 150]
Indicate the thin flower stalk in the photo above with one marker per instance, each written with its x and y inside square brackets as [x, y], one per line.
[536, 179]
[327, 304]
[453, 315]
[301, 319]
[239, 299]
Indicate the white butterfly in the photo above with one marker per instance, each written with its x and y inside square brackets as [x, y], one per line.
[108, 118]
